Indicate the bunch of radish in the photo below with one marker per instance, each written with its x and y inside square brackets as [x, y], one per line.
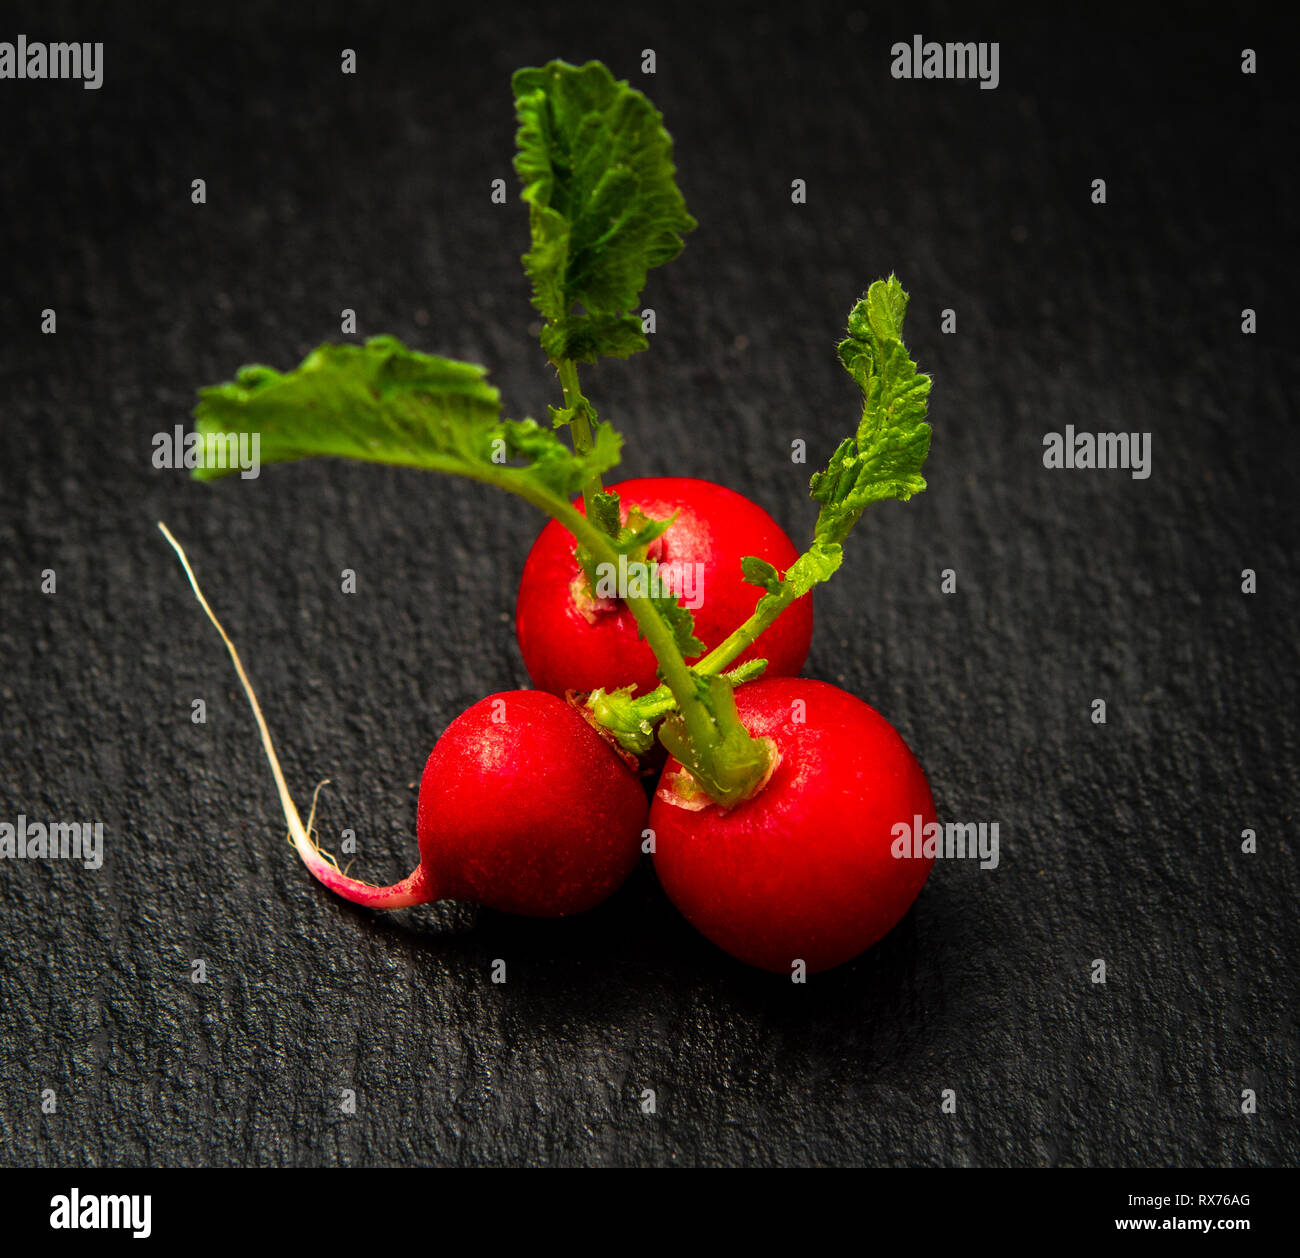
[663, 621]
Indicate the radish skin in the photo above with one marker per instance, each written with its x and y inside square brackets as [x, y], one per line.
[803, 870]
[570, 642]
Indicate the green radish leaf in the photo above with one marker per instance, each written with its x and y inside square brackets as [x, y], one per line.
[603, 206]
[563, 416]
[747, 671]
[551, 462]
[885, 456]
[883, 459]
[603, 511]
[640, 531]
[383, 403]
[605, 514]
[817, 564]
[681, 622]
[761, 573]
[586, 338]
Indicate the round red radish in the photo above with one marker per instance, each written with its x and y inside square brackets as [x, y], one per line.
[803, 870]
[571, 641]
[523, 807]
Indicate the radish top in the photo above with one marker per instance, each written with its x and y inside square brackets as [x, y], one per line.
[597, 176]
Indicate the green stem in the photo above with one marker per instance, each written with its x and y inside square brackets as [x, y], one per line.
[656, 703]
[708, 758]
[769, 608]
[632, 721]
[652, 625]
[580, 426]
[717, 749]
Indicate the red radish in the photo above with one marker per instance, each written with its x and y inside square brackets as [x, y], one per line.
[571, 642]
[803, 869]
[523, 807]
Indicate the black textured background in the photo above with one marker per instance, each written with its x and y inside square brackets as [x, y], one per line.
[1119, 842]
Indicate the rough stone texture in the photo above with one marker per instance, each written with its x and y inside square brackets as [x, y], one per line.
[1118, 842]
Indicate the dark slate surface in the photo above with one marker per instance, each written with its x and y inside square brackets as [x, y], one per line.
[1118, 842]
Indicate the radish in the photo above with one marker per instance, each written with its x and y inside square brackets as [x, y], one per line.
[523, 807]
[572, 641]
[776, 809]
[803, 869]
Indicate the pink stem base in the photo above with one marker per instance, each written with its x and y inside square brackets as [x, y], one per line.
[413, 889]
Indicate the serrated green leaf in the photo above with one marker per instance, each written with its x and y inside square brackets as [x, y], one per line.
[552, 463]
[761, 573]
[597, 172]
[379, 401]
[818, 563]
[885, 457]
[383, 403]
[563, 416]
[605, 513]
[682, 623]
[630, 539]
[588, 338]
